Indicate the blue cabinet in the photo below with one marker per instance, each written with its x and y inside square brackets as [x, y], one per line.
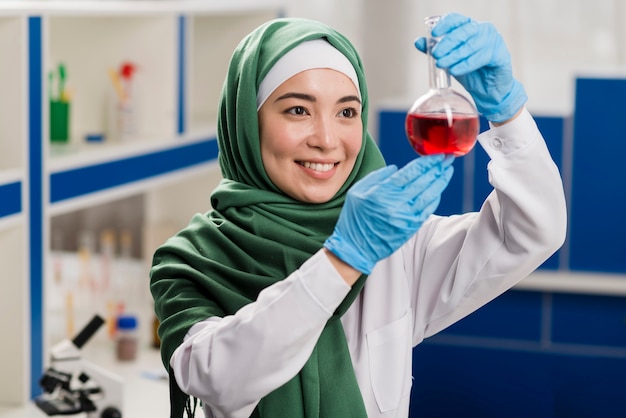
[598, 199]
[526, 354]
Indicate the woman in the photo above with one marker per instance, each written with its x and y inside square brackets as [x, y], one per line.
[304, 289]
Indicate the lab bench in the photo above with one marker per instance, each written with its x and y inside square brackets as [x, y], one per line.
[146, 390]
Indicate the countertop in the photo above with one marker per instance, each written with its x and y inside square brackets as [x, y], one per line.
[146, 391]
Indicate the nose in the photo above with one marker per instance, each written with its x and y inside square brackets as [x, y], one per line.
[323, 133]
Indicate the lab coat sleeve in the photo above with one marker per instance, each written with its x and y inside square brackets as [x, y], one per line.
[230, 363]
[461, 262]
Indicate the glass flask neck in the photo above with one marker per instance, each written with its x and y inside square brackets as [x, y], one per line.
[439, 78]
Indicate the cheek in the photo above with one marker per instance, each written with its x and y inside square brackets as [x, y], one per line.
[354, 142]
[277, 142]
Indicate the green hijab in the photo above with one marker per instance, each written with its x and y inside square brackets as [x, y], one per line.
[255, 235]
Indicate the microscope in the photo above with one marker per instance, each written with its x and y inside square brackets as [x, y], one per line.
[72, 385]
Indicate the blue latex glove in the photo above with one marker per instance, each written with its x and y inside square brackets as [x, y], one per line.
[385, 208]
[475, 54]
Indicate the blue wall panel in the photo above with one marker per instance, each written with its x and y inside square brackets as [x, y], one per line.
[598, 204]
[589, 320]
[479, 383]
[452, 381]
[513, 315]
[392, 138]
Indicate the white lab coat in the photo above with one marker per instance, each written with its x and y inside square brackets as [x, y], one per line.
[451, 267]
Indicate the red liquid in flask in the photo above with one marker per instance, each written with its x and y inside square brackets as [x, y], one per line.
[434, 133]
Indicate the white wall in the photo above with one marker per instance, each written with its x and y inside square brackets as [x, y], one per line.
[551, 41]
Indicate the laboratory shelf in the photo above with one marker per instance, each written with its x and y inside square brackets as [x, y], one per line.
[181, 49]
[76, 182]
[132, 7]
[208, 60]
[13, 87]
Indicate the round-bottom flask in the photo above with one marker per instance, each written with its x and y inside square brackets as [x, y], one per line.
[442, 120]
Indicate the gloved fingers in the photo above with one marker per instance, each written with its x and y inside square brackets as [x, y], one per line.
[452, 40]
[466, 59]
[450, 22]
[465, 41]
[420, 44]
[416, 168]
[424, 192]
[429, 209]
[375, 177]
[381, 174]
[448, 160]
[447, 23]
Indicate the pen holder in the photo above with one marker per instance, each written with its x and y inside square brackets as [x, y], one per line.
[59, 120]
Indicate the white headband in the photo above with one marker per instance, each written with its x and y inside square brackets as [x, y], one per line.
[306, 56]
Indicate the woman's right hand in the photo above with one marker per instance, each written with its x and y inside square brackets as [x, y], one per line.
[385, 208]
[476, 55]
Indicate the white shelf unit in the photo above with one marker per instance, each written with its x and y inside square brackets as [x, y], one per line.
[13, 198]
[181, 49]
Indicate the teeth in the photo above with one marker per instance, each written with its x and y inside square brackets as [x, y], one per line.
[318, 166]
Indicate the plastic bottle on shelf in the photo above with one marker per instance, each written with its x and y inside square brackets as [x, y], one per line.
[127, 338]
[123, 98]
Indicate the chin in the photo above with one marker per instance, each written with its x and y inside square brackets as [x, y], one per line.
[316, 198]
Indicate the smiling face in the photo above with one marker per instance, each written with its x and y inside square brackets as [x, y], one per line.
[311, 134]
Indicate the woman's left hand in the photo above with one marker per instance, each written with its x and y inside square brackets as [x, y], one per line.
[475, 54]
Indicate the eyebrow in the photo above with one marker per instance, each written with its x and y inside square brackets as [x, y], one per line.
[349, 99]
[311, 98]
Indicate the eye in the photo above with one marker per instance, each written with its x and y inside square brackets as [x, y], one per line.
[297, 110]
[349, 112]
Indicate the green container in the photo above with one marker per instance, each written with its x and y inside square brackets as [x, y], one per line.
[59, 121]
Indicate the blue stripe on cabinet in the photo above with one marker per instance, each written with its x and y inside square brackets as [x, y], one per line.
[10, 198]
[181, 73]
[35, 174]
[598, 201]
[84, 180]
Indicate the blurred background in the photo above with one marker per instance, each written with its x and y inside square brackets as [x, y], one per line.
[107, 148]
